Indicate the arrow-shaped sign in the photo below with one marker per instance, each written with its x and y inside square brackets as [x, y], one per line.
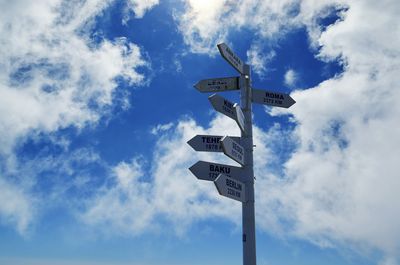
[210, 171]
[233, 149]
[208, 143]
[231, 57]
[239, 117]
[224, 106]
[272, 98]
[218, 84]
[230, 188]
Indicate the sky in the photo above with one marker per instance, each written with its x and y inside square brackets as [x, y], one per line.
[97, 103]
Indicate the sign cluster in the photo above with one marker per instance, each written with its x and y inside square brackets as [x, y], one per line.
[229, 180]
[235, 182]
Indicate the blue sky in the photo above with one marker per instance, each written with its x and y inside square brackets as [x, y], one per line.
[97, 104]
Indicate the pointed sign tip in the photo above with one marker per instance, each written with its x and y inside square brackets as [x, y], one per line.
[192, 168]
[190, 142]
[292, 101]
[219, 46]
[197, 85]
[216, 183]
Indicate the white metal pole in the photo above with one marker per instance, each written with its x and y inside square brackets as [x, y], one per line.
[248, 215]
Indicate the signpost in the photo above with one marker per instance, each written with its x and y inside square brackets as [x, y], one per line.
[235, 182]
[210, 171]
[224, 106]
[218, 84]
[231, 57]
[272, 98]
[233, 150]
[208, 143]
[230, 188]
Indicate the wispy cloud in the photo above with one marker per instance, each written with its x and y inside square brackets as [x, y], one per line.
[259, 59]
[341, 180]
[53, 76]
[161, 128]
[16, 206]
[290, 78]
[203, 24]
[138, 200]
[138, 7]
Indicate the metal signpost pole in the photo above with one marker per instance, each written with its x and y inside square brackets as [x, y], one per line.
[248, 215]
[236, 183]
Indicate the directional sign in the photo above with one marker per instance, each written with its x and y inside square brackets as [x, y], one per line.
[239, 117]
[232, 110]
[230, 188]
[231, 57]
[208, 143]
[218, 84]
[223, 105]
[233, 149]
[272, 98]
[210, 171]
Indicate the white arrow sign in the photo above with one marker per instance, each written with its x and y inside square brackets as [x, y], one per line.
[233, 149]
[231, 57]
[232, 110]
[230, 188]
[272, 98]
[210, 171]
[208, 143]
[218, 84]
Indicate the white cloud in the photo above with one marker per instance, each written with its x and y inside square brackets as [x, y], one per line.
[25, 197]
[258, 60]
[140, 7]
[126, 206]
[340, 186]
[201, 24]
[50, 74]
[204, 24]
[290, 78]
[161, 128]
[16, 207]
[342, 181]
[168, 194]
[140, 201]
[389, 261]
[53, 76]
